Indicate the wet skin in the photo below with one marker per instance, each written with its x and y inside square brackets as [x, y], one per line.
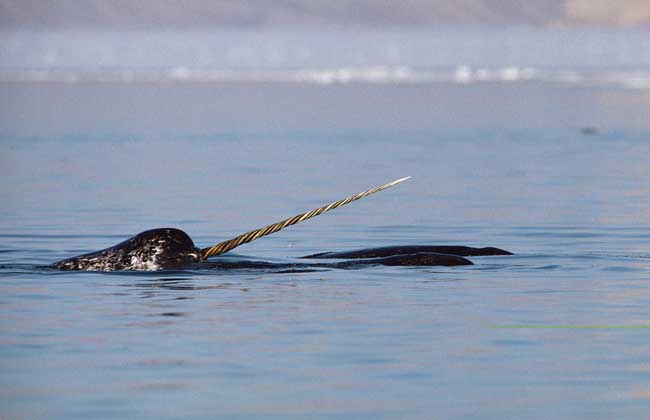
[461, 251]
[150, 250]
[170, 248]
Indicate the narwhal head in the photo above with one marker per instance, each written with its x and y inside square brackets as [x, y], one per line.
[153, 249]
[172, 248]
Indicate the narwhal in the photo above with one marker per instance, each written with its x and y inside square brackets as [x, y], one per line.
[170, 248]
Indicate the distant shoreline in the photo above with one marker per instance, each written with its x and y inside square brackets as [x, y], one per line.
[320, 13]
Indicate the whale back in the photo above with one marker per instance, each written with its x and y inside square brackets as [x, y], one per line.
[153, 249]
[387, 251]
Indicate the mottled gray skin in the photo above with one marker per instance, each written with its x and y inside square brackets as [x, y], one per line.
[153, 249]
[169, 248]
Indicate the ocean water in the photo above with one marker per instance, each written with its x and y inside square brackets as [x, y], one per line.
[322, 55]
[555, 172]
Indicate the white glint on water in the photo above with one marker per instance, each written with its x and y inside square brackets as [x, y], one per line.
[591, 56]
[631, 79]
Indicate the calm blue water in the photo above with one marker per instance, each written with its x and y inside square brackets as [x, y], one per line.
[86, 165]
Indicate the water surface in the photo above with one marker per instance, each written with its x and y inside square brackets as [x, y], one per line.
[86, 165]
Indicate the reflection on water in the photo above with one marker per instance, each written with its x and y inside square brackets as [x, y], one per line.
[492, 166]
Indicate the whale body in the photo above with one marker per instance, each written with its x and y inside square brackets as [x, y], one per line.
[170, 248]
[385, 251]
[153, 249]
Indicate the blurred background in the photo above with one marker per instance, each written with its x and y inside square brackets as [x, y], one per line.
[525, 125]
[271, 93]
[325, 41]
[91, 13]
[311, 73]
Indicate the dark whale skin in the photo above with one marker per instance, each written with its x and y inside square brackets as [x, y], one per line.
[419, 259]
[386, 251]
[150, 250]
[169, 248]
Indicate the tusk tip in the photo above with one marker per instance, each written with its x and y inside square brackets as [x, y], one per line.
[397, 181]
